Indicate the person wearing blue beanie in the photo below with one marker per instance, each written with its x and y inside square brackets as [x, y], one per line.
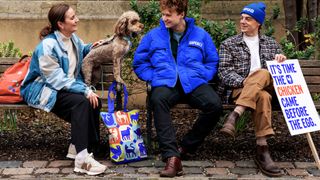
[243, 74]
[255, 10]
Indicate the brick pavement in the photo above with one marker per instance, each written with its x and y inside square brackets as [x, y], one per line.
[149, 169]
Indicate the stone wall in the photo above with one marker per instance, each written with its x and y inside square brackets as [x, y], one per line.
[86, 9]
[21, 21]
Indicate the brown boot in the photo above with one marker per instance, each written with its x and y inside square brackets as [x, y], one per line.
[228, 128]
[173, 168]
[265, 162]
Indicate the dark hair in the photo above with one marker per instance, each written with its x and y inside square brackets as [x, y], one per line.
[56, 13]
[179, 5]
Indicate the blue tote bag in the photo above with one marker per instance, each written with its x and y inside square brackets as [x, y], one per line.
[125, 139]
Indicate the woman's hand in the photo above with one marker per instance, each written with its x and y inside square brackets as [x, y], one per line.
[280, 58]
[93, 98]
[97, 43]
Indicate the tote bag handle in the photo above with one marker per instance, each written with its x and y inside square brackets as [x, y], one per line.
[112, 89]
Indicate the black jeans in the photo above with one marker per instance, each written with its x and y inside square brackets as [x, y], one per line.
[76, 109]
[203, 98]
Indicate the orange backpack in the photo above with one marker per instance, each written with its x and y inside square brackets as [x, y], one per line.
[11, 80]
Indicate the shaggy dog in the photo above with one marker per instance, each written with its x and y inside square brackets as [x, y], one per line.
[112, 49]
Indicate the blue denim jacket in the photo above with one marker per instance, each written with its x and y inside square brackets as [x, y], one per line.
[48, 72]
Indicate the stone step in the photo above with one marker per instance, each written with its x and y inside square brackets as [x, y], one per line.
[149, 169]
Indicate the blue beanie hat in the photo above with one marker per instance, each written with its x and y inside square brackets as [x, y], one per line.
[255, 10]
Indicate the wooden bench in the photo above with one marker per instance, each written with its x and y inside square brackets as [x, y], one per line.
[10, 109]
[311, 72]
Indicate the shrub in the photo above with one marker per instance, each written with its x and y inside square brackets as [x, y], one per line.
[219, 31]
[290, 50]
[8, 50]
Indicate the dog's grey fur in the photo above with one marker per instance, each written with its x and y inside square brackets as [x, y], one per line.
[112, 49]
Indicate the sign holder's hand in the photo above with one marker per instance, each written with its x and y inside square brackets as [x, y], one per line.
[280, 58]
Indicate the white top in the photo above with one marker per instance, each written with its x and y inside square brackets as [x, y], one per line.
[71, 55]
[253, 44]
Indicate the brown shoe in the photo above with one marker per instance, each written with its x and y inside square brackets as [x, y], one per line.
[228, 128]
[173, 168]
[265, 162]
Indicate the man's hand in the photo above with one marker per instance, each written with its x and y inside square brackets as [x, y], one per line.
[280, 58]
[93, 98]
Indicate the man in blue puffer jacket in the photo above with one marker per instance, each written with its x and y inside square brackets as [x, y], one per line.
[178, 59]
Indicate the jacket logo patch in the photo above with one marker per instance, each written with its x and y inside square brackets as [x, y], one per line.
[195, 43]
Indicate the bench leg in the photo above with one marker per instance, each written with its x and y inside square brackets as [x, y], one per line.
[119, 97]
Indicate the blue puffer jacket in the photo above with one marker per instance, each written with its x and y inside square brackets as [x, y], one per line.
[196, 63]
[48, 72]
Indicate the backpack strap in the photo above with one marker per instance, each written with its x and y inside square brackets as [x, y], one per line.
[25, 58]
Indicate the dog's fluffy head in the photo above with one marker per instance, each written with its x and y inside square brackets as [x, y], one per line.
[128, 24]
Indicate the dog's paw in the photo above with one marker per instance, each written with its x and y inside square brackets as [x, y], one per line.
[121, 81]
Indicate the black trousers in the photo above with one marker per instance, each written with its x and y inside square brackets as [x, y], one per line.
[76, 109]
[203, 98]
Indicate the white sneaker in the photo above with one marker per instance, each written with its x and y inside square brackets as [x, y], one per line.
[89, 166]
[72, 152]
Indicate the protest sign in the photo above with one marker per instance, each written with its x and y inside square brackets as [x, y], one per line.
[294, 97]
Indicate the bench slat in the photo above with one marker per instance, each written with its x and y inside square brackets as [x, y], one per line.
[314, 88]
[309, 63]
[4, 67]
[313, 80]
[107, 68]
[15, 106]
[8, 60]
[104, 105]
[311, 71]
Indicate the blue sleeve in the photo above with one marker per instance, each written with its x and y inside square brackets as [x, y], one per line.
[141, 62]
[86, 49]
[211, 60]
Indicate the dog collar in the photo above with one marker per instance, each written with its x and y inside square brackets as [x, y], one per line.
[128, 40]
